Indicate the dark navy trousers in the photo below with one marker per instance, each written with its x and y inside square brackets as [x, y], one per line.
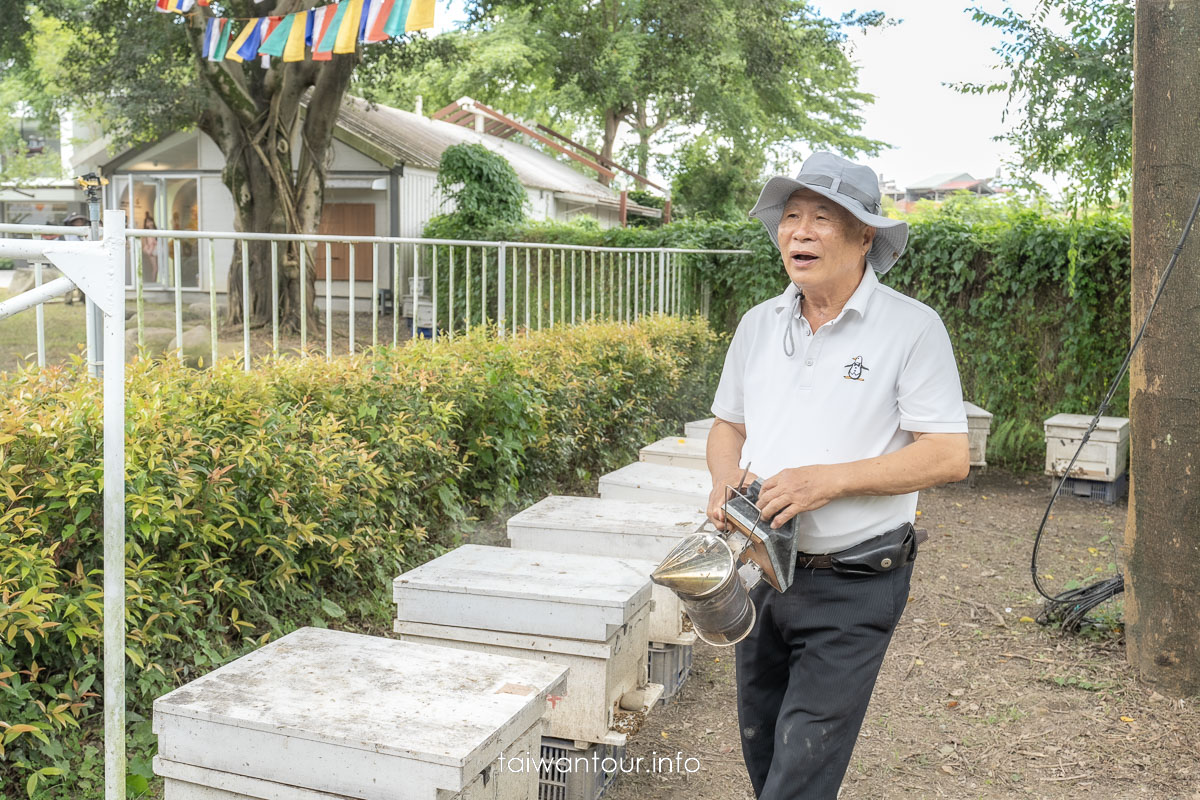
[805, 675]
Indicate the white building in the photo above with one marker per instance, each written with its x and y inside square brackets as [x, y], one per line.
[382, 181]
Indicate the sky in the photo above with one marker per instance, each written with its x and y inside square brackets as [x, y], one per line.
[931, 128]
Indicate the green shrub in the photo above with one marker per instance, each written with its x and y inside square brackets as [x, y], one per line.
[290, 496]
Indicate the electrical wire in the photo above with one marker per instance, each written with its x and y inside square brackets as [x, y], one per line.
[1070, 608]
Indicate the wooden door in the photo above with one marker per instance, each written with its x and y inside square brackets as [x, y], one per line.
[347, 219]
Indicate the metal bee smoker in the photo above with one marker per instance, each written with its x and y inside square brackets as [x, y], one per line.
[703, 568]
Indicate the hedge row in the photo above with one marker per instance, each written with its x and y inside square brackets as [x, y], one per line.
[1037, 304]
[258, 503]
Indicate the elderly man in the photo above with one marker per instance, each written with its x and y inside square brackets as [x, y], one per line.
[844, 394]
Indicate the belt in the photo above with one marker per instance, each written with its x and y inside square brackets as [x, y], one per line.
[825, 560]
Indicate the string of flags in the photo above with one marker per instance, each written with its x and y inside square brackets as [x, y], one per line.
[321, 31]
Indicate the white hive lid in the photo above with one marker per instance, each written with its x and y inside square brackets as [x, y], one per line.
[975, 411]
[678, 446]
[682, 480]
[524, 591]
[567, 514]
[387, 697]
[699, 428]
[1072, 426]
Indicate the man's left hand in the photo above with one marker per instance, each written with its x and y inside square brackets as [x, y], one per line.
[791, 491]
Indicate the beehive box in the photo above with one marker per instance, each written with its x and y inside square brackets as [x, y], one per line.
[591, 526]
[507, 778]
[676, 451]
[698, 429]
[1104, 458]
[979, 424]
[657, 483]
[590, 613]
[322, 712]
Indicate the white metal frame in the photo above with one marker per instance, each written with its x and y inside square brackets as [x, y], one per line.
[98, 269]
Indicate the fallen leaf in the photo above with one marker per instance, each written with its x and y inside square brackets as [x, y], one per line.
[947, 769]
[1026, 619]
[1126, 719]
[952, 704]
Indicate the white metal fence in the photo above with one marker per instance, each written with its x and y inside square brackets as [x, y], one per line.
[441, 287]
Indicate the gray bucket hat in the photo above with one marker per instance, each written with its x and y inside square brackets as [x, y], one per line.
[852, 186]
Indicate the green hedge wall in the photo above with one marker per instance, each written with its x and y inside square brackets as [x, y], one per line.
[1037, 304]
[290, 496]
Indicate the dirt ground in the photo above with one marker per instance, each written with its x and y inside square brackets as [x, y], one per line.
[975, 700]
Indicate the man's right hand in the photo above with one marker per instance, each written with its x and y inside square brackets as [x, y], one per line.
[720, 493]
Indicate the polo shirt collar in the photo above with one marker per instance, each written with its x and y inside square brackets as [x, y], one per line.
[857, 302]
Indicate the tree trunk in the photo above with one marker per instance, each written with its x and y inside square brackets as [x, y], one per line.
[254, 116]
[612, 121]
[1162, 535]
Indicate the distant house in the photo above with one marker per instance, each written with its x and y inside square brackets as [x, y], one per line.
[382, 181]
[936, 188]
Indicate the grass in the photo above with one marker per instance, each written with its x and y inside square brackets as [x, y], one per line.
[65, 334]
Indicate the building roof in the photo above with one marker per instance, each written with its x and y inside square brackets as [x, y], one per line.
[940, 180]
[391, 135]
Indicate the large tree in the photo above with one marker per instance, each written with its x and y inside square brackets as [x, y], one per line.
[144, 74]
[1069, 79]
[755, 73]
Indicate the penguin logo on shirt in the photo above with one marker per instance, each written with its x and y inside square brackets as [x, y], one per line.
[854, 370]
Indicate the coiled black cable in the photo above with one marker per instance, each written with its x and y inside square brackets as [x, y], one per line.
[1070, 608]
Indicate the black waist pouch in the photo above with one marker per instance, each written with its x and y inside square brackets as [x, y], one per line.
[881, 553]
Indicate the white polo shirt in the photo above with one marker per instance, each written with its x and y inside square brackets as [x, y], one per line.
[855, 389]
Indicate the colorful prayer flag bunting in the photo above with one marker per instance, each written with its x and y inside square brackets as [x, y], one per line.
[322, 31]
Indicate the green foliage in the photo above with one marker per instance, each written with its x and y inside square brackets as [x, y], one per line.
[762, 74]
[287, 497]
[716, 180]
[1037, 305]
[1071, 80]
[483, 185]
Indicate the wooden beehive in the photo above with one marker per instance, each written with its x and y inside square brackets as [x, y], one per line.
[657, 483]
[676, 451]
[590, 613]
[979, 424]
[327, 713]
[592, 526]
[698, 429]
[1104, 458]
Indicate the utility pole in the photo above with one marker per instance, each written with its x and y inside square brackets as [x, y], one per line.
[1162, 536]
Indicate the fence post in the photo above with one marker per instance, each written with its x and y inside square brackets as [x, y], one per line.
[114, 513]
[501, 256]
[662, 281]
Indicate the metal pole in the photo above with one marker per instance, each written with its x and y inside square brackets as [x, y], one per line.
[395, 294]
[539, 270]
[212, 297]
[433, 326]
[114, 522]
[663, 281]
[483, 303]
[450, 300]
[177, 276]
[328, 302]
[374, 295]
[303, 298]
[246, 305]
[39, 312]
[275, 299]
[527, 259]
[501, 286]
[416, 299]
[572, 287]
[350, 294]
[140, 308]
